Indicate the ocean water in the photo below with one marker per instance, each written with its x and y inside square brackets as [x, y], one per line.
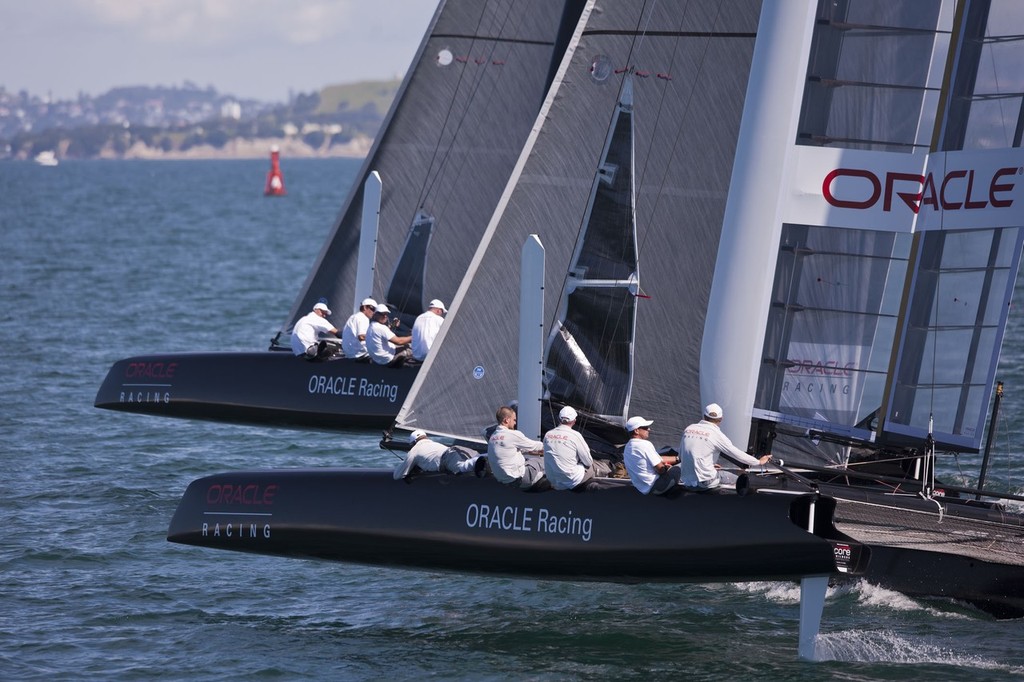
[100, 260]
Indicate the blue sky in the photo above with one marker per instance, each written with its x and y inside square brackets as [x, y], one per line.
[257, 49]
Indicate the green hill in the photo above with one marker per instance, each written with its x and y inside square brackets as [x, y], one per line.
[358, 96]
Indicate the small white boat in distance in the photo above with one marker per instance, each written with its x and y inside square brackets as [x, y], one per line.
[46, 158]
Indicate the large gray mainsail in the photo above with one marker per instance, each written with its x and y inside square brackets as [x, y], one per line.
[445, 150]
[688, 64]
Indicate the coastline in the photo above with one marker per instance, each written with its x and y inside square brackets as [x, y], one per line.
[237, 148]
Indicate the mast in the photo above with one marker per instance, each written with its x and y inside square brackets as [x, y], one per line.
[742, 285]
[531, 336]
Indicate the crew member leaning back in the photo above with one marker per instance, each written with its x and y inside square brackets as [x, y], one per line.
[700, 447]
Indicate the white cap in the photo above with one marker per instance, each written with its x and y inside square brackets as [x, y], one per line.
[567, 414]
[634, 423]
[416, 435]
[713, 411]
[381, 309]
[323, 307]
[368, 301]
[436, 303]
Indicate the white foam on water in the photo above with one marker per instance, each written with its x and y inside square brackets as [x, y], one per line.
[886, 646]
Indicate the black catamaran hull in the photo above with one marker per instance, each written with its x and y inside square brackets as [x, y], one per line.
[434, 521]
[269, 388]
[461, 523]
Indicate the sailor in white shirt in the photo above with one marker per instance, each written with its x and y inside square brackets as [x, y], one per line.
[382, 343]
[428, 455]
[425, 328]
[353, 334]
[306, 332]
[700, 447]
[650, 472]
[505, 450]
[568, 463]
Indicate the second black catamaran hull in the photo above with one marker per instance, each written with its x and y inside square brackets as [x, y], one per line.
[268, 388]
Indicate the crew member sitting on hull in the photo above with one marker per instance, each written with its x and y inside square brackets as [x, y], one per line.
[383, 344]
[306, 334]
[425, 328]
[505, 454]
[700, 447]
[650, 472]
[428, 455]
[353, 334]
[568, 463]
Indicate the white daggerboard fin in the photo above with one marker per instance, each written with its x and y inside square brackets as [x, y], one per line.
[531, 336]
[812, 603]
[372, 189]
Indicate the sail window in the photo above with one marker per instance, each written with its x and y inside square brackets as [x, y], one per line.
[874, 74]
[601, 68]
[832, 324]
[957, 312]
[986, 107]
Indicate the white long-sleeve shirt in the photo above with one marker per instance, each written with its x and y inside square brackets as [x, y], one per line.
[505, 450]
[356, 325]
[307, 331]
[566, 457]
[699, 449]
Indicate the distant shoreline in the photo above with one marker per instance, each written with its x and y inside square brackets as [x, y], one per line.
[237, 148]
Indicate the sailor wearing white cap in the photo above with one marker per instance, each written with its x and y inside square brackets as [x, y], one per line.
[353, 336]
[650, 471]
[429, 455]
[700, 447]
[382, 343]
[568, 462]
[425, 328]
[306, 332]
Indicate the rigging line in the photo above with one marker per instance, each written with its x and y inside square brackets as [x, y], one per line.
[433, 177]
[614, 113]
[448, 114]
[580, 227]
[441, 204]
[679, 131]
[661, 105]
[995, 78]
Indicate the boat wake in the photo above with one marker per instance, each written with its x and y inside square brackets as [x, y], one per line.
[886, 646]
[861, 592]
